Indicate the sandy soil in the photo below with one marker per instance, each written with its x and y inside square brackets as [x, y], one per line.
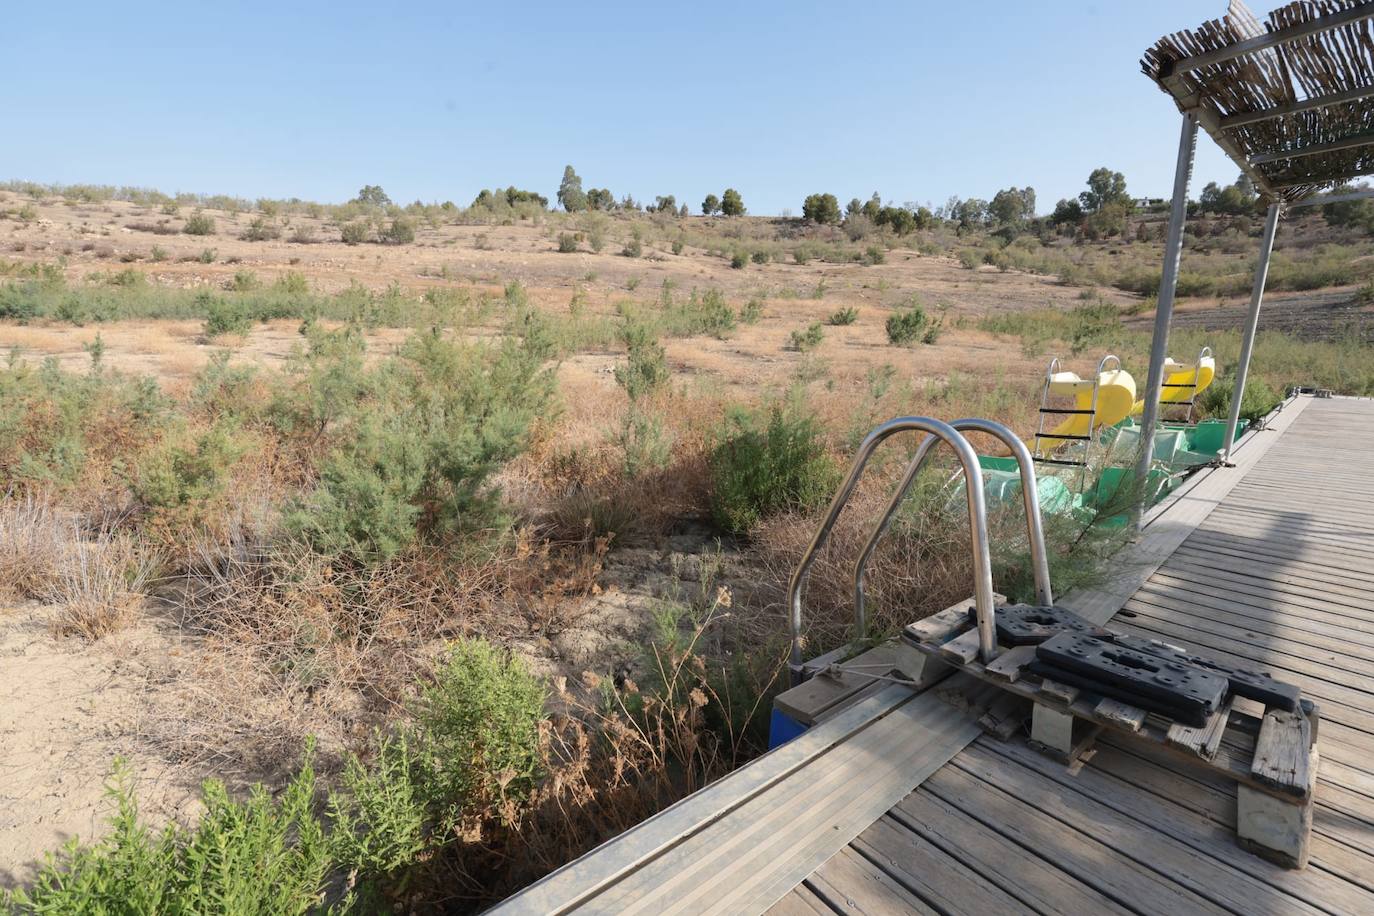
[68, 709]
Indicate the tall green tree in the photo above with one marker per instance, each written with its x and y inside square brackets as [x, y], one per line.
[731, 204]
[373, 196]
[1012, 206]
[710, 206]
[1105, 188]
[570, 193]
[600, 199]
[821, 208]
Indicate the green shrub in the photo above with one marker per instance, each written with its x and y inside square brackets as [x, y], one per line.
[263, 855]
[644, 443]
[176, 474]
[206, 256]
[739, 260]
[702, 313]
[1260, 398]
[761, 256]
[400, 232]
[478, 726]
[808, 339]
[844, 316]
[355, 233]
[874, 255]
[158, 254]
[261, 229]
[199, 223]
[646, 366]
[752, 311]
[970, 258]
[905, 326]
[292, 283]
[472, 749]
[678, 245]
[224, 316]
[757, 471]
[634, 248]
[419, 438]
[567, 243]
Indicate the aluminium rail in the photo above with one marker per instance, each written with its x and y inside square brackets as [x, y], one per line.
[978, 530]
[1035, 529]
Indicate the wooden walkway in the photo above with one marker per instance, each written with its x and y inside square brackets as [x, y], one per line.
[899, 804]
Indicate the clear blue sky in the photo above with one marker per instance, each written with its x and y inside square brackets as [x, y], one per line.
[436, 100]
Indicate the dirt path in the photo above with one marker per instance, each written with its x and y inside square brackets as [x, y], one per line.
[1336, 314]
[67, 709]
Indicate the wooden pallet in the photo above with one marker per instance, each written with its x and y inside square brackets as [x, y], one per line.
[1272, 757]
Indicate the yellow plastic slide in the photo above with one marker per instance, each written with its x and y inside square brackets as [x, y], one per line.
[1115, 395]
[1180, 377]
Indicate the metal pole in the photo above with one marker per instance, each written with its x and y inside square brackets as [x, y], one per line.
[1247, 344]
[1168, 283]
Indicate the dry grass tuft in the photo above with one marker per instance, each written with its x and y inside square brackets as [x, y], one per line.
[33, 540]
[101, 584]
[922, 565]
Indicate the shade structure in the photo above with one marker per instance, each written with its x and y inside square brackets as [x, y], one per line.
[1291, 101]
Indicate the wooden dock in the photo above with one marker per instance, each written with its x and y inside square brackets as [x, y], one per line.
[901, 804]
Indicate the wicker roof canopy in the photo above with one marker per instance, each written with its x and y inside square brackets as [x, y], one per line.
[1291, 100]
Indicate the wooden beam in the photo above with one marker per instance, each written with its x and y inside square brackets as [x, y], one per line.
[1263, 42]
[1323, 179]
[1244, 118]
[1351, 142]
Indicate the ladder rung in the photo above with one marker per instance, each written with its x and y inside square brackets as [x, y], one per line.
[1065, 411]
[1072, 464]
[1066, 438]
[1177, 385]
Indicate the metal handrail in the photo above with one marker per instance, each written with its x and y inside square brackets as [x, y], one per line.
[1197, 378]
[1044, 403]
[1035, 530]
[978, 530]
[1092, 418]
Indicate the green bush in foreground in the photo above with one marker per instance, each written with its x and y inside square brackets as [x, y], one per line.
[844, 316]
[472, 750]
[261, 856]
[759, 471]
[471, 754]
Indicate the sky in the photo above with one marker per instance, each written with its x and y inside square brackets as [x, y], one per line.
[434, 101]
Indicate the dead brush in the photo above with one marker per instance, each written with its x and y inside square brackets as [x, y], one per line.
[923, 564]
[100, 584]
[546, 577]
[297, 644]
[34, 539]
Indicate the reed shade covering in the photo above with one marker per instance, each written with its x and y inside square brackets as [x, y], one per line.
[1290, 100]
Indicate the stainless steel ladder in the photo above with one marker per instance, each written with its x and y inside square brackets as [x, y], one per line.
[937, 431]
[1043, 456]
[1192, 397]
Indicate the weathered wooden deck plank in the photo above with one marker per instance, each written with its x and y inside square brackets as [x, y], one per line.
[1270, 563]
